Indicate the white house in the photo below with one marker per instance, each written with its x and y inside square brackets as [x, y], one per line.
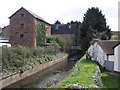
[117, 58]
[102, 51]
[4, 42]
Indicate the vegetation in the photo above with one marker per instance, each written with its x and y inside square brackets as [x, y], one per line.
[19, 59]
[40, 33]
[74, 22]
[93, 26]
[59, 42]
[114, 37]
[82, 75]
[57, 22]
[110, 81]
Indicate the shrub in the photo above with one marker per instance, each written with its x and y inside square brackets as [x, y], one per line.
[114, 37]
[58, 42]
[17, 58]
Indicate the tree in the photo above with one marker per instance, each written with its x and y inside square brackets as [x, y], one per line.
[93, 26]
[57, 22]
[73, 22]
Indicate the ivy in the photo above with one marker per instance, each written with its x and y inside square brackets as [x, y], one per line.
[40, 33]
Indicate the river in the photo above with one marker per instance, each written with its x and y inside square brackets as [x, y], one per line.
[47, 77]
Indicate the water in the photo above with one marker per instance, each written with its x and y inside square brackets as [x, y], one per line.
[47, 77]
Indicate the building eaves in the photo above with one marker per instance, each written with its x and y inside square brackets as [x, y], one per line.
[108, 46]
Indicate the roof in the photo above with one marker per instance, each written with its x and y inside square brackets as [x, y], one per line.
[108, 46]
[64, 28]
[2, 44]
[4, 40]
[33, 14]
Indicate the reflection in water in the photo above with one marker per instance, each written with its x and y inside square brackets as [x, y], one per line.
[45, 78]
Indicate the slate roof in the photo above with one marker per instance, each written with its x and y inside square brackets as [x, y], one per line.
[33, 14]
[64, 28]
[108, 46]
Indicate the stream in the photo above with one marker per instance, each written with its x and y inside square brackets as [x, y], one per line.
[47, 77]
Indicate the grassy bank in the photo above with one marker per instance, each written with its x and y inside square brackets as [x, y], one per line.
[110, 81]
[82, 75]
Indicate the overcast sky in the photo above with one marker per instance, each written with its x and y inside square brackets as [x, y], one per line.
[62, 10]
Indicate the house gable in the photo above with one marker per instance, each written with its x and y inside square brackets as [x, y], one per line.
[108, 46]
[22, 28]
[31, 13]
[23, 24]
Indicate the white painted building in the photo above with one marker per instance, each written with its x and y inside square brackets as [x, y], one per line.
[117, 58]
[102, 51]
[4, 42]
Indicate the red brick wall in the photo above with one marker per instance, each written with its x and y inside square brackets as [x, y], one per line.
[28, 20]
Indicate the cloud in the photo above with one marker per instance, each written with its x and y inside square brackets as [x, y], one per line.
[63, 10]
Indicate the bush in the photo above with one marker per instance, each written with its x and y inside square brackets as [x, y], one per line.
[17, 58]
[114, 37]
[59, 42]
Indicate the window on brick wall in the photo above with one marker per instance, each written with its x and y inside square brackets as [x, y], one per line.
[22, 26]
[21, 35]
[22, 15]
[57, 27]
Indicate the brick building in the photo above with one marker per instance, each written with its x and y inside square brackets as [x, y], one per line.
[66, 31]
[22, 28]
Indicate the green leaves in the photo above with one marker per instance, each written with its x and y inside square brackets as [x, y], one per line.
[58, 42]
[93, 26]
[81, 77]
[18, 58]
[40, 33]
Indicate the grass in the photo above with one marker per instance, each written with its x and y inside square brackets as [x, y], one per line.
[82, 75]
[109, 81]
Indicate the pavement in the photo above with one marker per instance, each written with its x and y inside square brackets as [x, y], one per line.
[113, 73]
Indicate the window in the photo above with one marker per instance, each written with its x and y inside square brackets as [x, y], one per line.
[57, 27]
[22, 26]
[22, 15]
[21, 35]
[69, 26]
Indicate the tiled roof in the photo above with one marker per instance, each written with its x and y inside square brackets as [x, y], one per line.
[108, 46]
[64, 28]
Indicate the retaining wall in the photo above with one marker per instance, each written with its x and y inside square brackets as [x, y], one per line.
[16, 77]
